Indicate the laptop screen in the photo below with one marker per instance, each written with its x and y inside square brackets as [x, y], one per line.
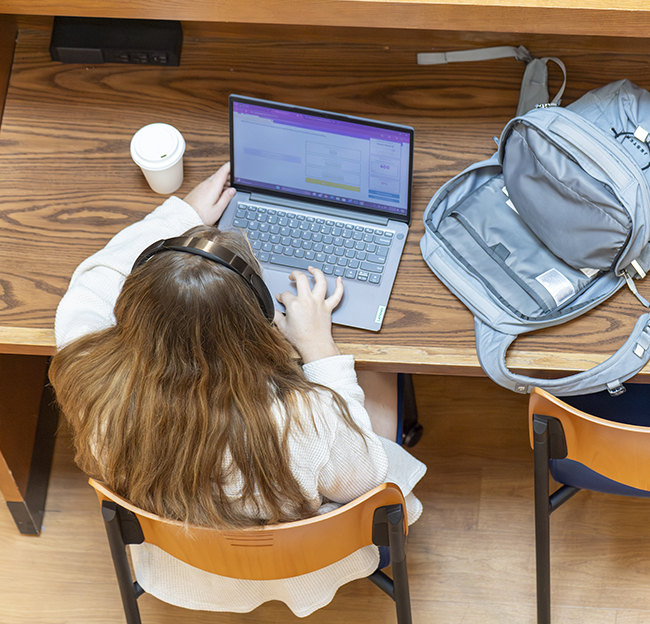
[323, 157]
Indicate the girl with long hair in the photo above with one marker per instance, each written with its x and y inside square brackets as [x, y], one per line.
[184, 399]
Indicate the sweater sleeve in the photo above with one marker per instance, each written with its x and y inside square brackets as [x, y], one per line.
[353, 467]
[88, 304]
[355, 463]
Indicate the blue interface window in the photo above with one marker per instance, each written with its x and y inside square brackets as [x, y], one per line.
[351, 163]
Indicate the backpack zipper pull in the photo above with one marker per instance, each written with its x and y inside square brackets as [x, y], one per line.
[632, 287]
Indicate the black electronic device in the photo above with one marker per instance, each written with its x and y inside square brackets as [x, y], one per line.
[98, 40]
[223, 256]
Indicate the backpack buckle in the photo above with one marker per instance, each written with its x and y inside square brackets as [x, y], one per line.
[615, 388]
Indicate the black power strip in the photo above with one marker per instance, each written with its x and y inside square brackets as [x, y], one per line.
[97, 40]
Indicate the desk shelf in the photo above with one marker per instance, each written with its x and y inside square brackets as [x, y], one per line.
[620, 18]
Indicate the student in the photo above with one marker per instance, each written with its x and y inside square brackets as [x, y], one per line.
[184, 399]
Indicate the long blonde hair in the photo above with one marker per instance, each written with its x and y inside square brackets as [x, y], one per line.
[174, 402]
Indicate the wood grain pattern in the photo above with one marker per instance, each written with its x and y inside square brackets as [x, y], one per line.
[29, 341]
[68, 183]
[575, 17]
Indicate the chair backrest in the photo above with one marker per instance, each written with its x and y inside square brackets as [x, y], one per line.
[270, 552]
[617, 451]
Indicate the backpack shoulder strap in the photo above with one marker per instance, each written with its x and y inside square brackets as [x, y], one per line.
[491, 347]
[475, 54]
[534, 85]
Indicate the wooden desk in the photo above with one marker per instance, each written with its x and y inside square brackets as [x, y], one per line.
[609, 18]
[68, 183]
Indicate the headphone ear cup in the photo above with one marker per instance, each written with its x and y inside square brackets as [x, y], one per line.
[264, 296]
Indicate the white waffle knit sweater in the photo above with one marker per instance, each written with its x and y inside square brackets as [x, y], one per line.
[328, 461]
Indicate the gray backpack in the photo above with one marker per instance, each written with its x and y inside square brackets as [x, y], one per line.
[549, 227]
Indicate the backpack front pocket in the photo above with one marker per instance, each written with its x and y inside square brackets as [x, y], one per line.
[495, 245]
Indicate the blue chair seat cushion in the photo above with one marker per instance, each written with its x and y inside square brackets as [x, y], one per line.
[570, 472]
[384, 557]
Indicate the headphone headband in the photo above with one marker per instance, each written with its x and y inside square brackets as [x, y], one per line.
[206, 248]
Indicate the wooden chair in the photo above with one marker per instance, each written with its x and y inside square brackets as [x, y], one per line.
[290, 549]
[583, 451]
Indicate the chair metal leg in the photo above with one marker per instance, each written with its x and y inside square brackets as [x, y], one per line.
[384, 582]
[542, 529]
[407, 411]
[397, 542]
[128, 589]
[561, 496]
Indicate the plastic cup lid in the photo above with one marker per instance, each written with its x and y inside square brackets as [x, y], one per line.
[157, 146]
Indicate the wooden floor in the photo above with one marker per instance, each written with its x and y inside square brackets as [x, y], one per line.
[471, 558]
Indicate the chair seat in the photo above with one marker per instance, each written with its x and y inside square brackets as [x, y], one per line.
[592, 442]
[570, 472]
[266, 553]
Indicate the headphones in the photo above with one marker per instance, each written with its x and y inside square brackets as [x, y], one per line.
[221, 255]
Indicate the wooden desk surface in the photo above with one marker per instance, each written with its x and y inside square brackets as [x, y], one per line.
[622, 18]
[68, 183]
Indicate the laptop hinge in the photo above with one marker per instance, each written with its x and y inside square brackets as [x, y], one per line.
[328, 210]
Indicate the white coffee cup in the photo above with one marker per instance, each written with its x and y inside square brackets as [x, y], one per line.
[158, 150]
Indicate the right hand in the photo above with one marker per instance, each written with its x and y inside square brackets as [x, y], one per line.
[307, 323]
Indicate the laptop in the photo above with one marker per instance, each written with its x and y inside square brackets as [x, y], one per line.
[322, 189]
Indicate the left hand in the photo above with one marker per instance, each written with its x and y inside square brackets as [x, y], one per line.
[212, 196]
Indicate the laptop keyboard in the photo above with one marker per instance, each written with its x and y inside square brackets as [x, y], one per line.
[297, 241]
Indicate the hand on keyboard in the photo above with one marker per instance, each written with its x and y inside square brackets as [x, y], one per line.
[307, 323]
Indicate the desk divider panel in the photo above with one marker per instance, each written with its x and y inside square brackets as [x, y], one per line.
[8, 32]
[28, 421]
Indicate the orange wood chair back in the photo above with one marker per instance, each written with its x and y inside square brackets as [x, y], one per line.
[264, 553]
[617, 451]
